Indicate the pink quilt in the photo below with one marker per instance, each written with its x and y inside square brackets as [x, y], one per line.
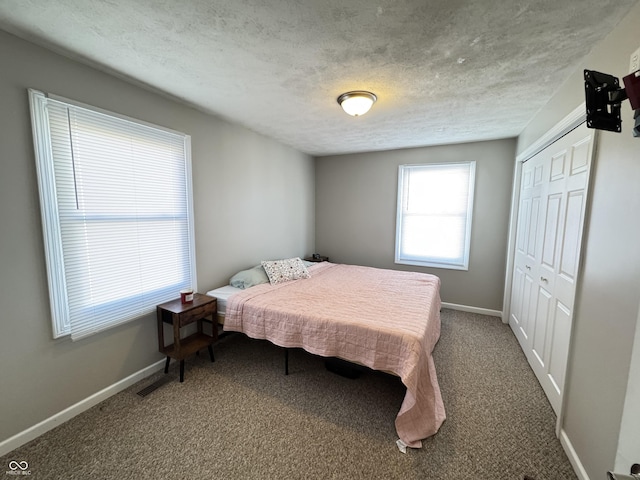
[387, 320]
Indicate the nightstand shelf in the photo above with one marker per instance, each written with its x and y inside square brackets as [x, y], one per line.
[178, 315]
[188, 346]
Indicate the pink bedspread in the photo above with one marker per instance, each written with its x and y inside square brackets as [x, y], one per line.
[384, 319]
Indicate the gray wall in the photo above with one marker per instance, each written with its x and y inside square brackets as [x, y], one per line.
[253, 198]
[356, 214]
[608, 293]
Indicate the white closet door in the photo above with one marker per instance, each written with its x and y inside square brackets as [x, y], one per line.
[548, 240]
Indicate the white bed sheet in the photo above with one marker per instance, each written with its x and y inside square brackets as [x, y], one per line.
[222, 294]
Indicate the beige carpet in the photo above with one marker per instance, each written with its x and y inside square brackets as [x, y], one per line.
[241, 418]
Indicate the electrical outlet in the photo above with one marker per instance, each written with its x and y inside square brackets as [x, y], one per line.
[634, 64]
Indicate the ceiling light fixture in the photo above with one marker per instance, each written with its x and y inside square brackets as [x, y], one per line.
[357, 103]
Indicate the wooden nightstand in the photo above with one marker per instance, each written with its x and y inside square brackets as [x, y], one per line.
[180, 314]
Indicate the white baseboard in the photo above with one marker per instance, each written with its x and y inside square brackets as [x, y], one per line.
[573, 456]
[44, 426]
[465, 308]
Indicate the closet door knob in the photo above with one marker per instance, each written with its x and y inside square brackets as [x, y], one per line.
[545, 280]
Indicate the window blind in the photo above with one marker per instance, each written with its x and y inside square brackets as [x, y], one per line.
[435, 204]
[116, 202]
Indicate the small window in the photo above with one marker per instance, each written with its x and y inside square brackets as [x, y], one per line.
[433, 226]
[115, 197]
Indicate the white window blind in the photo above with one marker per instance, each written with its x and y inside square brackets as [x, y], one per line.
[435, 204]
[116, 206]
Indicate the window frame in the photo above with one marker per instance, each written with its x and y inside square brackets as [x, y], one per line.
[50, 214]
[430, 261]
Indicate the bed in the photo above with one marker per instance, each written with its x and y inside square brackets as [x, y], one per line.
[386, 320]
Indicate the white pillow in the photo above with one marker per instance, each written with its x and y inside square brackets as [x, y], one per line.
[280, 271]
[249, 278]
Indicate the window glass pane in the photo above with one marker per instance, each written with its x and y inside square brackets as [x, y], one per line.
[435, 237]
[436, 191]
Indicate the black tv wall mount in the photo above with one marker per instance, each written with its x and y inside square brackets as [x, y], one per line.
[604, 96]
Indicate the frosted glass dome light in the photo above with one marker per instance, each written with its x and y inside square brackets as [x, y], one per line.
[356, 103]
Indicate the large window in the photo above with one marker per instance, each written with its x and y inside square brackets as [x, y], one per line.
[435, 203]
[115, 196]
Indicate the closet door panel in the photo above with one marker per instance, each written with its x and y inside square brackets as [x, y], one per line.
[547, 255]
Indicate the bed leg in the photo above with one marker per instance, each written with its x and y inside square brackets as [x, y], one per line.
[286, 361]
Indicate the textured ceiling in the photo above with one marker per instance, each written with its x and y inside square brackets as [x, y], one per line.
[444, 71]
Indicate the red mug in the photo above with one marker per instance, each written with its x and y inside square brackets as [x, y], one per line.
[186, 295]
